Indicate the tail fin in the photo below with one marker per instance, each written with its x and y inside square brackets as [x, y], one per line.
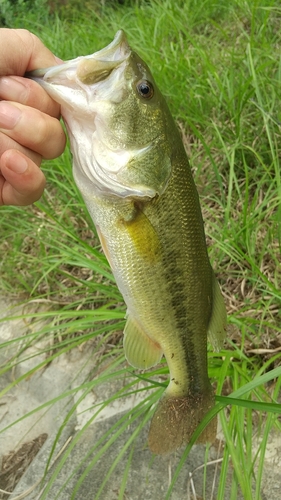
[176, 418]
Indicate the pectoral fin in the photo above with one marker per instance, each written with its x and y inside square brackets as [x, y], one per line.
[143, 235]
[217, 325]
[141, 352]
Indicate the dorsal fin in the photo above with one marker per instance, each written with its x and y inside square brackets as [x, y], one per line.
[217, 324]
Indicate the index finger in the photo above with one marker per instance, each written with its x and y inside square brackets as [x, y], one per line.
[22, 51]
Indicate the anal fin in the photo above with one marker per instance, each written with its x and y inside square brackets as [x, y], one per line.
[140, 350]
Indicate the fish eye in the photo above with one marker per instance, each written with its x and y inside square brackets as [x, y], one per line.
[145, 89]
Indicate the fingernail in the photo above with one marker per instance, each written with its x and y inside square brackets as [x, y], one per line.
[9, 115]
[12, 89]
[19, 164]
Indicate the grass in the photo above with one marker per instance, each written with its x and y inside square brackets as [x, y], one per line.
[218, 64]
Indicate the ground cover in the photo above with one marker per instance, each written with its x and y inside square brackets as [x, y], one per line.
[218, 64]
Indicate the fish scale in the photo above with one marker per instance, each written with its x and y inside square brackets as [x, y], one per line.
[132, 170]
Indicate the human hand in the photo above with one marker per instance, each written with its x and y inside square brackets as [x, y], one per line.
[29, 119]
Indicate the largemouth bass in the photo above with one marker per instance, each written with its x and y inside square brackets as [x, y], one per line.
[131, 167]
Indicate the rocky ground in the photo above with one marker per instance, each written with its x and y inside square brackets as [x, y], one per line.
[25, 446]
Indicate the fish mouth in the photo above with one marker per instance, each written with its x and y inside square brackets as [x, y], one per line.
[88, 88]
[84, 70]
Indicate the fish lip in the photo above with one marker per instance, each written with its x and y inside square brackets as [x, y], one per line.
[114, 53]
[119, 41]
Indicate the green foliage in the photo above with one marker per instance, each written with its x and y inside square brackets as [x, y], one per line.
[14, 10]
[218, 63]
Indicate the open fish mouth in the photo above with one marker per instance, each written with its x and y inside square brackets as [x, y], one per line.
[88, 69]
[67, 82]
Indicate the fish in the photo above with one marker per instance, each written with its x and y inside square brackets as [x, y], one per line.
[132, 170]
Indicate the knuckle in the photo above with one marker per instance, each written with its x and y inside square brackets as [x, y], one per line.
[58, 143]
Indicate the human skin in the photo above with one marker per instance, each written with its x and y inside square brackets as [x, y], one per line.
[29, 119]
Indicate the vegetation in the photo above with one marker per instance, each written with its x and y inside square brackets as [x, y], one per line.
[218, 64]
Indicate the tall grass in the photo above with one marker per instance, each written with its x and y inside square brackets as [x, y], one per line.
[218, 64]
